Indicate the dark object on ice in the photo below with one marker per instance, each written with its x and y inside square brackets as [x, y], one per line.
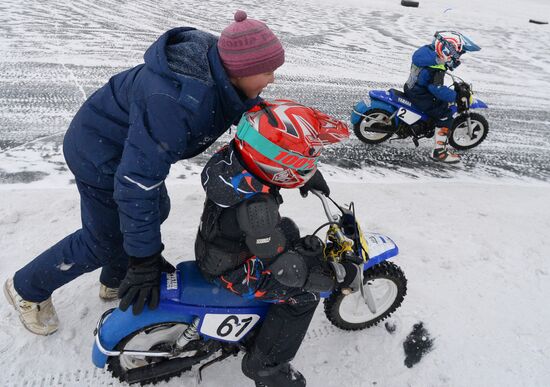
[417, 344]
[390, 327]
[408, 3]
[537, 21]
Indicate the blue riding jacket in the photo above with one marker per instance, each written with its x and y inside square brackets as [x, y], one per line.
[128, 133]
[426, 80]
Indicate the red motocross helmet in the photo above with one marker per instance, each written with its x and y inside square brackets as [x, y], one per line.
[280, 141]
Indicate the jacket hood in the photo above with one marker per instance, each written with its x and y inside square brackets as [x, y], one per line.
[191, 58]
[182, 51]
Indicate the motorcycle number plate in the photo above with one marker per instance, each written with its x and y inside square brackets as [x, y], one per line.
[407, 116]
[378, 244]
[228, 327]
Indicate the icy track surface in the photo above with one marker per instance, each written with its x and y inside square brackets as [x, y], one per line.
[56, 53]
[473, 239]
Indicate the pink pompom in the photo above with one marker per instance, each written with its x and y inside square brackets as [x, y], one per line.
[240, 16]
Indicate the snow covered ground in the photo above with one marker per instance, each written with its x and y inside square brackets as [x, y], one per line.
[473, 239]
[475, 255]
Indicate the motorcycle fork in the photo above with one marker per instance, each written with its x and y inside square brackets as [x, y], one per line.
[366, 293]
[469, 121]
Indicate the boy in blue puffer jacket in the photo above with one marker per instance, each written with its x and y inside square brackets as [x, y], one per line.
[120, 145]
[426, 90]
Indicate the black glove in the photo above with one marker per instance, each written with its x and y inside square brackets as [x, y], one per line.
[316, 182]
[142, 282]
[311, 248]
[462, 90]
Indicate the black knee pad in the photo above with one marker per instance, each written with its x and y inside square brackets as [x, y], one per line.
[290, 269]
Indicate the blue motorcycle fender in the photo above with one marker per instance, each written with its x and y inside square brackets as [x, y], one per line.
[380, 248]
[119, 325]
[362, 107]
[477, 104]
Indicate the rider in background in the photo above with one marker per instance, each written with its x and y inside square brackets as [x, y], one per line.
[245, 246]
[425, 86]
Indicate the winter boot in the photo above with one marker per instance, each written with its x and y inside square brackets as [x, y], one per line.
[38, 317]
[108, 294]
[440, 152]
[282, 375]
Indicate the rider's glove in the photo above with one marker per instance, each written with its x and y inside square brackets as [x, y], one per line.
[310, 247]
[142, 282]
[317, 182]
[463, 91]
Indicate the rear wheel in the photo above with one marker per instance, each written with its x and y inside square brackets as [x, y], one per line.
[388, 286]
[378, 117]
[158, 338]
[460, 139]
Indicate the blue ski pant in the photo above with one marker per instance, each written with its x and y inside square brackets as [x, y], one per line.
[97, 244]
[440, 113]
[438, 110]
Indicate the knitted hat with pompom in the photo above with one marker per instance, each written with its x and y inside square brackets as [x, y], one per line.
[248, 47]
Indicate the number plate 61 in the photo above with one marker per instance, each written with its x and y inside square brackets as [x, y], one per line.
[228, 327]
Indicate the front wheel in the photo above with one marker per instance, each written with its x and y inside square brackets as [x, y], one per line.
[388, 286]
[460, 139]
[378, 117]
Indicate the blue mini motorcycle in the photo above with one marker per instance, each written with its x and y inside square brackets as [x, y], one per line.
[198, 322]
[390, 115]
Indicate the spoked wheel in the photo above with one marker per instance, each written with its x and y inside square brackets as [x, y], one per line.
[460, 139]
[372, 118]
[388, 286]
[157, 338]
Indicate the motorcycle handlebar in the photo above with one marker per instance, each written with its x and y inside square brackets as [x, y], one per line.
[330, 216]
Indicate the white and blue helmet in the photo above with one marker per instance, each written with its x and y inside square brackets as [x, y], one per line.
[449, 45]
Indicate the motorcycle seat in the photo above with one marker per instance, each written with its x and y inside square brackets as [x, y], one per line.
[401, 98]
[395, 94]
[196, 290]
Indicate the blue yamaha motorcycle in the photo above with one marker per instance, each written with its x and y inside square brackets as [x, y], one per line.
[390, 115]
[199, 323]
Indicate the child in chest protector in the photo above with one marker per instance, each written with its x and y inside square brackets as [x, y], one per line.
[244, 244]
[426, 89]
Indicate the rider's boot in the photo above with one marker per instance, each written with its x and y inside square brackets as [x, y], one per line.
[38, 317]
[441, 152]
[108, 294]
[255, 367]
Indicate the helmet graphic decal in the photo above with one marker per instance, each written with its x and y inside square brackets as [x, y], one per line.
[280, 141]
[448, 45]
